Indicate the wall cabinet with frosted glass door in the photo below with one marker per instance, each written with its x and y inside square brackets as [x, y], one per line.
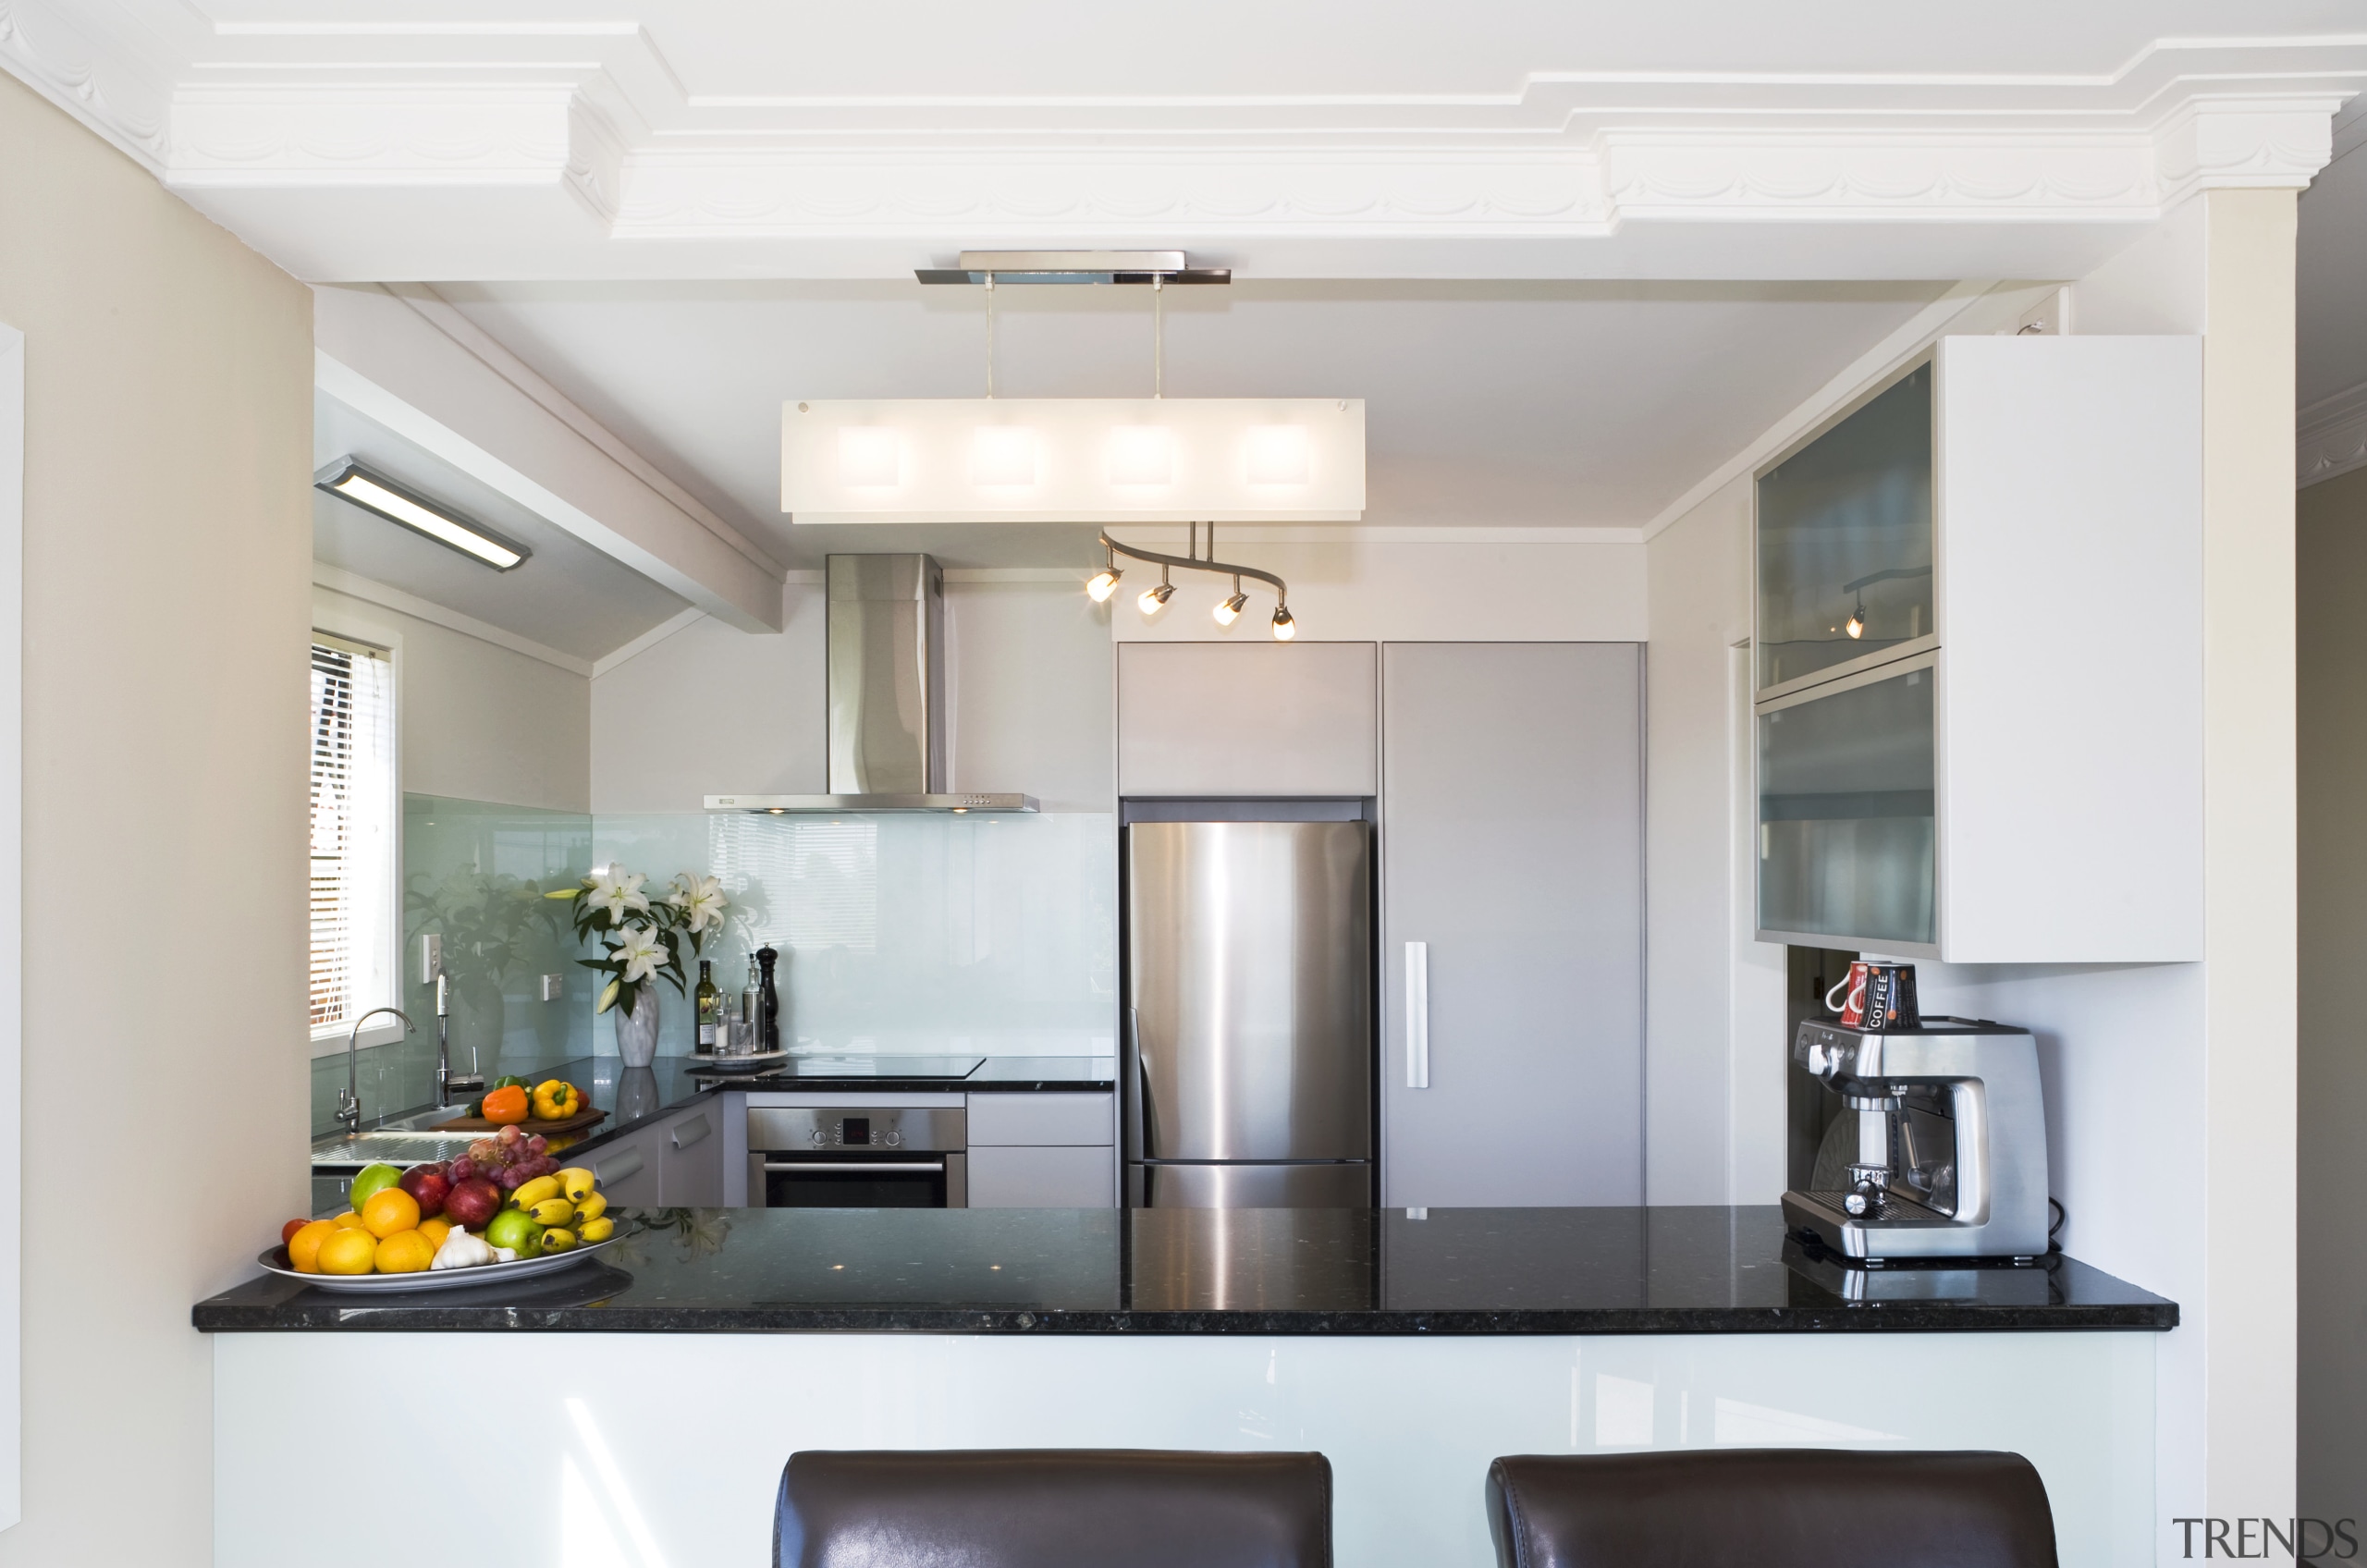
[1979, 660]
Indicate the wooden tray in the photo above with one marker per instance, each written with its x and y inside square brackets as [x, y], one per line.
[575, 1123]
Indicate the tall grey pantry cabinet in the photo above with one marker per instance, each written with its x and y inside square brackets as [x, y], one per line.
[1512, 924]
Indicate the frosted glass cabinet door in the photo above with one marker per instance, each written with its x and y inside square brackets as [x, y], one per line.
[1845, 540]
[1845, 809]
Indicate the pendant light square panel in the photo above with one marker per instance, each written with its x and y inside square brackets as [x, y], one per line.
[1073, 460]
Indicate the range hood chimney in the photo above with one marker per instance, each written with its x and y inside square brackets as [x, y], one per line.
[886, 636]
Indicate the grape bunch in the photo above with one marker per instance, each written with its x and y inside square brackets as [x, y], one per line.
[508, 1160]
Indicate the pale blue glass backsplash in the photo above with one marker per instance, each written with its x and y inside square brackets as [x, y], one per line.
[996, 935]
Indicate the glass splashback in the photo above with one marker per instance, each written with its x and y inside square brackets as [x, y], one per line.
[992, 936]
[1846, 812]
[1845, 539]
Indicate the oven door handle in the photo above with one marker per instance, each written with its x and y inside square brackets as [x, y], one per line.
[855, 1165]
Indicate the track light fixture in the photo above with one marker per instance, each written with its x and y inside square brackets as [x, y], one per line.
[1103, 583]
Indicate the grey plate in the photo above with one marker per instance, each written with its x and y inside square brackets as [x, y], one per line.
[276, 1260]
[736, 1063]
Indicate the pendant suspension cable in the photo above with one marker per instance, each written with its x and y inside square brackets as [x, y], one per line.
[990, 335]
[1158, 335]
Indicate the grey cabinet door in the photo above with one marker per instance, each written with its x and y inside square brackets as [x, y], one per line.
[1511, 848]
[689, 1159]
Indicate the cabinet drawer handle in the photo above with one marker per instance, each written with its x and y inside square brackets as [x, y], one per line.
[690, 1132]
[1418, 1015]
[617, 1170]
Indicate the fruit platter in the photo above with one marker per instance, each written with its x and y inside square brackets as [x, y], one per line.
[504, 1210]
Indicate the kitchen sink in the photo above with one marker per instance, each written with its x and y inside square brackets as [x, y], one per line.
[399, 1140]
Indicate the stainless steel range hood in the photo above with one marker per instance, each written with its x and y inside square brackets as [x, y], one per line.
[885, 635]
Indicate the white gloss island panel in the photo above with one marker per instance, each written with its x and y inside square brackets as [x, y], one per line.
[663, 1451]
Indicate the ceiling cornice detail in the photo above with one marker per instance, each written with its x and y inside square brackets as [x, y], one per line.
[2332, 434]
[253, 119]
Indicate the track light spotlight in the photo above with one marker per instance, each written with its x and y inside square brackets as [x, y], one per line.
[1230, 611]
[1284, 628]
[1154, 600]
[1103, 583]
[1857, 625]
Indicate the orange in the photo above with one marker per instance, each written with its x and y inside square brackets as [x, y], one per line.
[390, 1210]
[305, 1247]
[350, 1219]
[405, 1252]
[350, 1251]
[436, 1231]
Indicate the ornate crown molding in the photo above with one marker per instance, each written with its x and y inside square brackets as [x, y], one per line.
[249, 116]
[2332, 436]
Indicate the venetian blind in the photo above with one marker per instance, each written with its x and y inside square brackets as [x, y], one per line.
[353, 805]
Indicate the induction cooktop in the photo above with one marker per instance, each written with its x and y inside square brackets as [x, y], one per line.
[865, 1065]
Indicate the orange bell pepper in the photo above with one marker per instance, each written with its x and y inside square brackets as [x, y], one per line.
[505, 1106]
[555, 1100]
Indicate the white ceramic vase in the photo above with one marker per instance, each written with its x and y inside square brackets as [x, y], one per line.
[637, 1033]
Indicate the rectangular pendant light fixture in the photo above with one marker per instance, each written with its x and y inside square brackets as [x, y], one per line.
[1073, 460]
[377, 493]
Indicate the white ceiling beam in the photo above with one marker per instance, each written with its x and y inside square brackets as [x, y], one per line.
[385, 360]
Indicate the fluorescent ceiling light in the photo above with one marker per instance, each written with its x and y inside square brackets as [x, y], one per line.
[374, 493]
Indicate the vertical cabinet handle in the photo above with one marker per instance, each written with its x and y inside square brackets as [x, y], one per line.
[1418, 1015]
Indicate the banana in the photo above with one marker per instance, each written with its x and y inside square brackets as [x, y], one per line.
[591, 1205]
[529, 1194]
[558, 1241]
[598, 1230]
[576, 1182]
[553, 1211]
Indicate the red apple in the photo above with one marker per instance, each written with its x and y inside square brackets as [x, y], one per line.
[430, 1186]
[473, 1203]
[289, 1230]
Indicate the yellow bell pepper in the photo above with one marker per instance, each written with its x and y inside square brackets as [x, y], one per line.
[556, 1101]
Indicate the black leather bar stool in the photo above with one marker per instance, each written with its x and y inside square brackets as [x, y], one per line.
[1053, 1508]
[1770, 1508]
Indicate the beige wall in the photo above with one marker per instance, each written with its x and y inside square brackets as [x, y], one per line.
[2332, 1224]
[167, 532]
[479, 721]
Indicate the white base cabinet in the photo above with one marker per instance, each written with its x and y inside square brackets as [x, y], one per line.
[1074, 1177]
[677, 1162]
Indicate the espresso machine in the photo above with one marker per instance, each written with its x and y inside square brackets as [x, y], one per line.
[1949, 1147]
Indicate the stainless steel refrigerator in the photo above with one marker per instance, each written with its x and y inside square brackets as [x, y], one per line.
[1250, 1035]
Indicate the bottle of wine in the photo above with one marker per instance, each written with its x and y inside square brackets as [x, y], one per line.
[710, 1005]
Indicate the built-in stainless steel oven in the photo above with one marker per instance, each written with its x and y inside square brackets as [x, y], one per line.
[861, 1157]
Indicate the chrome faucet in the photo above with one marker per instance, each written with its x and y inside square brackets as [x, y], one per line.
[349, 1099]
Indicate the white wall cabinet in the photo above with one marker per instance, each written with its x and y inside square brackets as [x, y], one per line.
[1248, 720]
[2051, 812]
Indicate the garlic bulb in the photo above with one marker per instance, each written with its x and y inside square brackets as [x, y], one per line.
[462, 1250]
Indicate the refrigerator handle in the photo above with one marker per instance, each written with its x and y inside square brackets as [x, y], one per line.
[1136, 1112]
[1418, 1015]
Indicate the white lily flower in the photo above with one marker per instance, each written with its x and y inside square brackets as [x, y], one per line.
[641, 952]
[700, 898]
[617, 892]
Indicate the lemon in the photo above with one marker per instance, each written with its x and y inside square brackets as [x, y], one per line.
[436, 1230]
[348, 1219]
[405, 1252]
[389, 1211]
[350, 1251]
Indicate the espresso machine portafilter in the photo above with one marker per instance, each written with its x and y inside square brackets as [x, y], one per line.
[1950, 1146]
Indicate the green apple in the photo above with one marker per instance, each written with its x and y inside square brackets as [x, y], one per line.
[515, 1229]
[373, 1179]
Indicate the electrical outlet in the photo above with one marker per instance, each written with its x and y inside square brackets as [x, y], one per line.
[554, 986]
[431, 958]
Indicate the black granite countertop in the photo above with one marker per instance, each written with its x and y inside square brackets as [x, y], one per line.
[1242, 1272]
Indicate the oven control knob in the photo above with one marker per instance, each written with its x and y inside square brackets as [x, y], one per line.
[895, 1138]
[816, 1135]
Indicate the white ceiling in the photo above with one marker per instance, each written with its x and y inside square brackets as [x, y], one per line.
[2331, 280]
[566, 595]
[1523, 405]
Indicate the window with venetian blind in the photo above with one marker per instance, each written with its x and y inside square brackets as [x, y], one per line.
[354, 802]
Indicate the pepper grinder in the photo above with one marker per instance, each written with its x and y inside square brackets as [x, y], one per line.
[768, 999]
